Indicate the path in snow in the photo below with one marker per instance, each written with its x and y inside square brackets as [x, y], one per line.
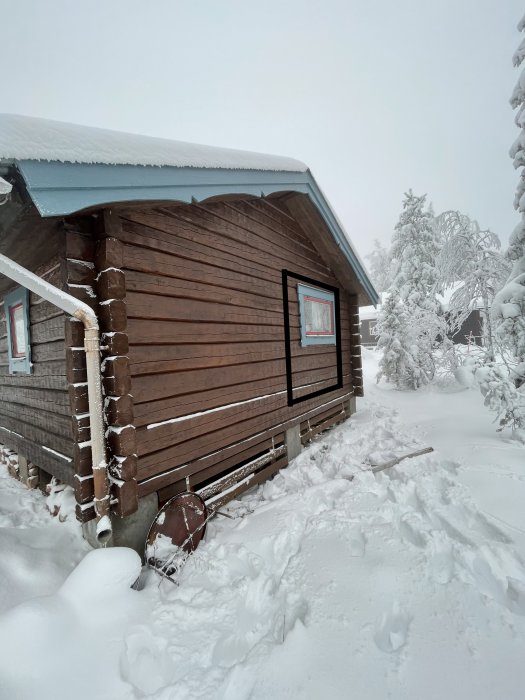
[455, 421]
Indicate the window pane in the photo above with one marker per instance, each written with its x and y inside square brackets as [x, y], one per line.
[318, 316]
[18, 336]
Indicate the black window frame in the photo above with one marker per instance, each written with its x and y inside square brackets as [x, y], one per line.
[286, 276]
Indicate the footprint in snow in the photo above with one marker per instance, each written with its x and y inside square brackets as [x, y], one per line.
[442, 558]
[488, 575]
[145, 662]
[411, 528]
[516, 595]
[392, 629]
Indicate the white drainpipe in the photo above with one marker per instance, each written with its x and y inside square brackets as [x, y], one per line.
[84, 313]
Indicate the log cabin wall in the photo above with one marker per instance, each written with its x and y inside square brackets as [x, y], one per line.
[205, 325]
[80, 282]
[92, 263]
[44, 416]
[118, 402]
[35, 417]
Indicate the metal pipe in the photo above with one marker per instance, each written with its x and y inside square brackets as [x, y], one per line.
[84, 313]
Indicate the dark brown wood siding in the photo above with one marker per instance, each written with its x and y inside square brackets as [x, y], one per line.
[49, 406]
[34, 409]
[205, 325]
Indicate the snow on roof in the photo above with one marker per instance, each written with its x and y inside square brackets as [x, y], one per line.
[30, 138]
[445, 298]
[368, 313]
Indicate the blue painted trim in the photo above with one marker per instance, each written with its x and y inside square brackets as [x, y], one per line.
[18, 365]
[306, 340]
[60, 189]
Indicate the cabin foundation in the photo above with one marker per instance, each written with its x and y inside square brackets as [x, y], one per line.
[350, 406]
[130, 531]
[293, 442]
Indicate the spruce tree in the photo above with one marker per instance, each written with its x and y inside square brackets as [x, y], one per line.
[506, 394]
[398, 363]
[380, 267]
[509, 309]
[415, 247]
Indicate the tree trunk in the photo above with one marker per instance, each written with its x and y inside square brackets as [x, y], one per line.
[487, 329]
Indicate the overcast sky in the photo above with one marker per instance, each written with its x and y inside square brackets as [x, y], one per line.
[376, 96]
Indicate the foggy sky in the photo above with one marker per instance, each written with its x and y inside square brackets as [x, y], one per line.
[375, 96]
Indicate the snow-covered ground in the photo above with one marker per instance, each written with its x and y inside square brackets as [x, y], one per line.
[406, 584]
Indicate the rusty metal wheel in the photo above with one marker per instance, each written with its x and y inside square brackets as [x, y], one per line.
[176, 532]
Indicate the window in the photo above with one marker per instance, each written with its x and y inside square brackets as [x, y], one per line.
[17, 319]
[317, 311]
[319, 315]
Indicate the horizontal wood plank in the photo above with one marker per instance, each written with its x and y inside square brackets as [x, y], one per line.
[45, 381]
[56, 466]
[144, 331]
[50, 421]
[278, 414]
[191, 289]
[151, 306]
[41, 437]
[174, 407]
[48, 331]
[170, 358]
[158, 386]
[54, 401]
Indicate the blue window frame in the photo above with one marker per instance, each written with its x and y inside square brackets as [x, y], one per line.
[317, 313]
[16, 305]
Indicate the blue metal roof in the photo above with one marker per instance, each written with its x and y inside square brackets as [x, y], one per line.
[60, 189]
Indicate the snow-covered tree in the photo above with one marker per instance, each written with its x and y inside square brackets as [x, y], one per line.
[509, 305]
[380, 267]
[415, 247]
[501, 395]
[505, 391]
[470, 256]
[398, 363]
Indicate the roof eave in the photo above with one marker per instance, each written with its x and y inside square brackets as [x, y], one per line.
[61, 189]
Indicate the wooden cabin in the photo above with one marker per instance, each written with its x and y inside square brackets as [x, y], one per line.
[469, 333]
[227, 295]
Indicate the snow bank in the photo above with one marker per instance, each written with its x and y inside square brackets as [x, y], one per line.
[68, 644]
[102, 573]
[38, 550]
[331, 581]
[335, 582]
[30, 138]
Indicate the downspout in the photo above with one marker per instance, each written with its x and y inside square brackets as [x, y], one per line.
[84, 313]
